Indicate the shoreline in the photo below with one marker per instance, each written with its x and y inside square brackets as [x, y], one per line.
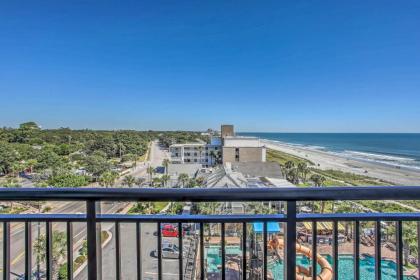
[327, 160]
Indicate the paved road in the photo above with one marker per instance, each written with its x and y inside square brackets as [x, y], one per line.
[156, 157]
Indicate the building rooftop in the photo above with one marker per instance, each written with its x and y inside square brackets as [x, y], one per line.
[187, 168]
[188, 144]
[258, 169]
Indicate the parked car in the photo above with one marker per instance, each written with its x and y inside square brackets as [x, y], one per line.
[169, 230]
[169, 251]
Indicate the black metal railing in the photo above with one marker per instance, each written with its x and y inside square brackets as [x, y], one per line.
[93, 218]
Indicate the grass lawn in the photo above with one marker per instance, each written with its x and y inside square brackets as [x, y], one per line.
[159, 205]
[350, 179]
[282, 158]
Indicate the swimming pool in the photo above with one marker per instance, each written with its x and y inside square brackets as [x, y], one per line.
[214, 258]
[345, 268]
[345, 265]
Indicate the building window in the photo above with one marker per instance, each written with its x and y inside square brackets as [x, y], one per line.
[195, 160]
[176, 154]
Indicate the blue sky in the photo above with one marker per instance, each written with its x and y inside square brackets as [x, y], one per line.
[304, 66]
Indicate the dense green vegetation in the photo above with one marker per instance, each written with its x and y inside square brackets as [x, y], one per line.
[64, 157]
[147, 207]
[175, 137]
[282, 158]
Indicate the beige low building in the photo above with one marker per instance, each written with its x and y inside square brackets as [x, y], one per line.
[243, 149]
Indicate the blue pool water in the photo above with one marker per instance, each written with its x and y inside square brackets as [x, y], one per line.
[345, 268]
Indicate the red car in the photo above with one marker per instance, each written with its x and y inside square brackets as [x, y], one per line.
[169, 230]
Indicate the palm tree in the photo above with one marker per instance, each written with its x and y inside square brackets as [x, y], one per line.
[121, 149]
[16, 168]
[183, 179]
[108, 179]
[129, 181]
[303, 170]
[150, 171]
[156, 182]
[165, 179]
[289, 164]
[292, 176]
[165, 164]
[318, 180]
[58, 248]
[199, 181]
[31, 163]
[191, 183]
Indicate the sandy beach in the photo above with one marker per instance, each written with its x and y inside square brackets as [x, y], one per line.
[327, 160]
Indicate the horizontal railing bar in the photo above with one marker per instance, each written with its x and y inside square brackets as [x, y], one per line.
[359, 217]
[42, 217]
[210, 218]
[213, 194]
[190, 218]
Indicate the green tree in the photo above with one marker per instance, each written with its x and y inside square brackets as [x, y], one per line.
[108, 179]
[129, 181]
[48, 159]
[318, 180]
[29, 126]
[68, 180]
[165, 179]
[30, 163]
[58, 248]
[97, 165]
[16, 168]
[165, 164]
[183, 179]
[150, 170]
[156, 182]
[121, 149]
[8, 157]
[303, 170]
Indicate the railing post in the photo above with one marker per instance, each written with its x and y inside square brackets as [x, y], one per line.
[93, 241]
[291, 241]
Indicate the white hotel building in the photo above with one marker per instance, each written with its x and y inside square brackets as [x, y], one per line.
[227, 148]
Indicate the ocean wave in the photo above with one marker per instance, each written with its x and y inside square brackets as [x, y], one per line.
[310, 147]
[380, 156]
[396, 161]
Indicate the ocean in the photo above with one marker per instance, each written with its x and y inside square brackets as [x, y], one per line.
[396, 149]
